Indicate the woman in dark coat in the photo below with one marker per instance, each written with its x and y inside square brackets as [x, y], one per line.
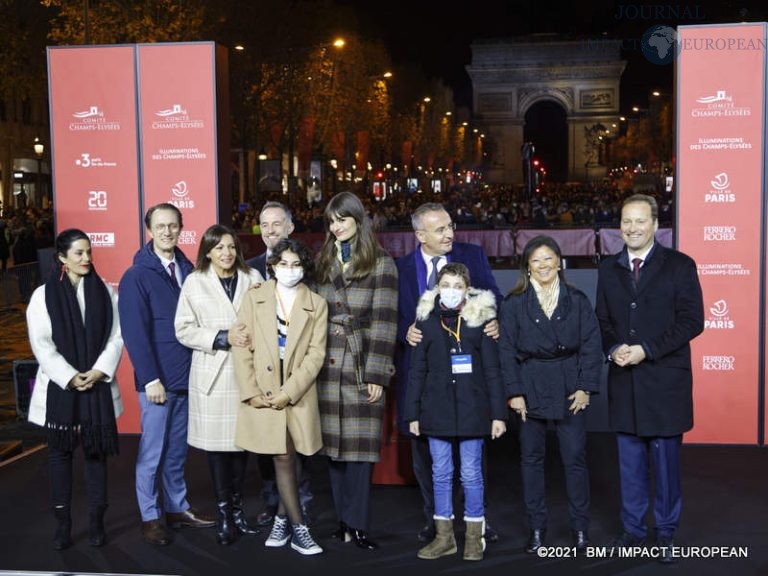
[455, 396]
[551, 363]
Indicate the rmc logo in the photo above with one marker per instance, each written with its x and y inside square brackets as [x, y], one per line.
[97, 200]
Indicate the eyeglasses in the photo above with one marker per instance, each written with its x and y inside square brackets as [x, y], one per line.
[164, 227]
[288, 265]
[444, 229]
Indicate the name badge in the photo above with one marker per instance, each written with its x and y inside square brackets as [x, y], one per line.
[281, 346]
[461, 363]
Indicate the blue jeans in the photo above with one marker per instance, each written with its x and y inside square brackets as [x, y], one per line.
[471, 455]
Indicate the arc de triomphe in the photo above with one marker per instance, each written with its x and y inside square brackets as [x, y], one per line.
[510, 76]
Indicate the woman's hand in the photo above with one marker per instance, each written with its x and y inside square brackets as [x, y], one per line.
[580, 401]
[413, 427]
[517, 403]
[238, 335]
[492, 329]
[374, 392]
[498, 428]
[92, 376]
[280, 401]
[259, 401]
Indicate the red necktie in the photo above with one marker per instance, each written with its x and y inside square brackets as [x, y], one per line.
[172, 271]
[636, 268]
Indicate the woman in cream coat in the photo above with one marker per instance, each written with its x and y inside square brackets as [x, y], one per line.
[206, 322]
[279, 414]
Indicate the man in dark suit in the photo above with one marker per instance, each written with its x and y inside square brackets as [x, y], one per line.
[650, 307]
[417, 272]
[276, 223]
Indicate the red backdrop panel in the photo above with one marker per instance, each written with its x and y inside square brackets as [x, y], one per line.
[720, 91]
[95, 160]
[177, 110]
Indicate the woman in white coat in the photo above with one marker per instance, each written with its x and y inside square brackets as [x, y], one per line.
[206, 322]
[75, 336]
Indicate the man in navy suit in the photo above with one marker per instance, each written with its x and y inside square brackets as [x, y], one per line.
[417, 272]
[650, 307]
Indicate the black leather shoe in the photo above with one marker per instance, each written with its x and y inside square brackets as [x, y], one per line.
[342, 533]
[666, 544]
[535, 540]
[360, 538]
[238, 516]
[490, 534]
[625, 540]
[427, 533]
[189, 517]
[155, 533]
[580, 540]
[267, 517]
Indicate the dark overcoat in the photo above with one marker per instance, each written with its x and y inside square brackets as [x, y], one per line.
[663, 313]
[455, 405]
[548, 359]
[362, 324]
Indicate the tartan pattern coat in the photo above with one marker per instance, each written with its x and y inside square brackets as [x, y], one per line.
[362, 329]
[204, 309]
[265, 430]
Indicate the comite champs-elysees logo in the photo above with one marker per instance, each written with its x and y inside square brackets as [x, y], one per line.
[175, 117]
[92, 119]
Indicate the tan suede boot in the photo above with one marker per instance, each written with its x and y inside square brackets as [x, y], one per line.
[474, 543]
[444, 543]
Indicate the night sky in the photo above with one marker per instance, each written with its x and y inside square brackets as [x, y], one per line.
[429, 34]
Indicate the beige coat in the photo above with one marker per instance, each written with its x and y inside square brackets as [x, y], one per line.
[263, 430]
[203, 310]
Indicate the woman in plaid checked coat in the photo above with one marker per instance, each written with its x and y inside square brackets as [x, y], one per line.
[359, 281]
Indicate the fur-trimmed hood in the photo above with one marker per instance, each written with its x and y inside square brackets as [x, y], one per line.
[478, 309]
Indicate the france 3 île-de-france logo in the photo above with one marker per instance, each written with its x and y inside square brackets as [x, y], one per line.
[720, 191]
[718, 318]
[180, 195]
[92, 119]
[659, 44]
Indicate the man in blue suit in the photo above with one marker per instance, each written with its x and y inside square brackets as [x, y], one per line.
[650, 307]
[276, 223]
[149, 293]
[417, 272]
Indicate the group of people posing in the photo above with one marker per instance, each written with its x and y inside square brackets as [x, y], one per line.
[289, 355]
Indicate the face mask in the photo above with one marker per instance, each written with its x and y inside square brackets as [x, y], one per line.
[451, 297]
[288, 277]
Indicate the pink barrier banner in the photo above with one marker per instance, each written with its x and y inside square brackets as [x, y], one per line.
[177, 108]
[611, 241]
[496, 243]
[721, 130]
[578, 242]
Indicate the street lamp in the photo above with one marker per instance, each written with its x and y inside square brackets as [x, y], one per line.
[39, 150]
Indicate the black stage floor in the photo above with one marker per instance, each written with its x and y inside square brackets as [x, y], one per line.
[725, 491]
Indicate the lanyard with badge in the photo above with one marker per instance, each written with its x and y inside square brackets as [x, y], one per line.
[460, 363]
[280, 338]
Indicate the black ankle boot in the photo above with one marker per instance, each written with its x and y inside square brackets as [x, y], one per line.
[96, 535]
[360, 538]
[63, 537]
[226, 533]
[536, 540]
[342, 533]
[238, 515]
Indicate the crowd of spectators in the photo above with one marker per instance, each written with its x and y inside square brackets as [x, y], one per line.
[23, 232]
[490, 207]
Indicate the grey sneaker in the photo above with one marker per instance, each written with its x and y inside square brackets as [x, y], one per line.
[280, 533]
[303, 542]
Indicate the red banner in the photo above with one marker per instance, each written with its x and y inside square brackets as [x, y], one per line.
[362, 150]
[720, 80]
[306, 135]
[338, 147]
[177, 107]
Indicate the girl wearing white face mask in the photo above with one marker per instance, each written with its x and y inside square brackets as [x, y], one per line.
[279, 413]
[455, 395]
